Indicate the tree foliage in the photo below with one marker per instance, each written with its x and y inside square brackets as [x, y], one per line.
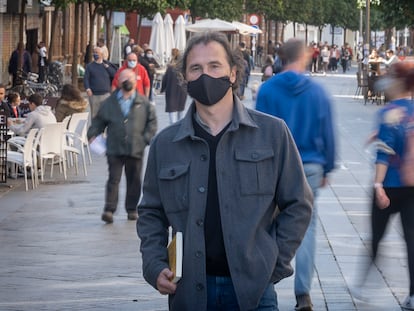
[228, 10]
[398, 13]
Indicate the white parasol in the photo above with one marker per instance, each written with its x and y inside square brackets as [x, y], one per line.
[179, 34]
[211, 25]
[169, 36]
[245, 29]
[157, 39]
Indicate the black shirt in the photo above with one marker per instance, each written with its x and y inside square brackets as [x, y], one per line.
[216, 259]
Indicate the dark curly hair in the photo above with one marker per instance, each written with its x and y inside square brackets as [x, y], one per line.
[71, 93]
[234, 57]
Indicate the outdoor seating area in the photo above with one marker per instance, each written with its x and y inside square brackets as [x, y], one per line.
[366, 85]
[63, 144]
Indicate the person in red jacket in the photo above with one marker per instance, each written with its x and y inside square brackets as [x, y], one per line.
[143, 84]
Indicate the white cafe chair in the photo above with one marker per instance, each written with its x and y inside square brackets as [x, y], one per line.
[73, 126]
[51, 147]
[25, 157]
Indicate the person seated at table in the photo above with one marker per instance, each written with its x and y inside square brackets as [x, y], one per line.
[374, 61]
[14, 103]
[70, 102]
[391, 59]
[39, 116]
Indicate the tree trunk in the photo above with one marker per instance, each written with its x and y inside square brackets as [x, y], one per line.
[55, 16]
[76, 45]
[139, 28]
[108, 18]
[306, 34]
[92, 17]
[344, 36]
[21, 25]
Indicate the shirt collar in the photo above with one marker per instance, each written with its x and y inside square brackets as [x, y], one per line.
[241, 116]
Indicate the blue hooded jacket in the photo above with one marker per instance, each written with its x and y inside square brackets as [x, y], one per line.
[305, 107]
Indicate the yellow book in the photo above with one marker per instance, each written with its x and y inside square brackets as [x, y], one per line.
[175, 256]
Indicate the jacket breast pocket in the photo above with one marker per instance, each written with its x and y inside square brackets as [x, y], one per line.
[174, 185]
[256, 171]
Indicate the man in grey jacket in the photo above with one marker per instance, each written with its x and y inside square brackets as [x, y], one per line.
[130, 122]
[231, 180]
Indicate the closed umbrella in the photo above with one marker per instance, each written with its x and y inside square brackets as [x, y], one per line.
[157, 39]
[179, 34]
[169, 36]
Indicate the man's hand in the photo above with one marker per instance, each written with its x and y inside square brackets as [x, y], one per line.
[89, 92]
[164, 284]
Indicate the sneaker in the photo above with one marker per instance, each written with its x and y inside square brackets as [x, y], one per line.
[408, 303]
[132, 216]
[107, 217]
[303, 303]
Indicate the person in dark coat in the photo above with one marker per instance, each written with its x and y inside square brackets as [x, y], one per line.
[150, 64]
[26, 65]
[175, 93]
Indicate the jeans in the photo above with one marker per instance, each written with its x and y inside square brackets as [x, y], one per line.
[305, 255]
[133, 180]
[222, 297]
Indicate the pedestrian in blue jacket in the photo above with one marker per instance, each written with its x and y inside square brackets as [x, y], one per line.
[306, 108]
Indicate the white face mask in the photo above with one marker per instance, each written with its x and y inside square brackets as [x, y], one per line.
[150, 55]
[132, 64]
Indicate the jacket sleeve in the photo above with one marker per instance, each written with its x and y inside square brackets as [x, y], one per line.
[86, 78]
[24, 128]
[152, 124]
[99, 123]
[329, 138]
[145, 79]
[152, 224]
[165, 80]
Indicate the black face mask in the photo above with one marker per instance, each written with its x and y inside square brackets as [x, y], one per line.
[127, 85]
[207, 90]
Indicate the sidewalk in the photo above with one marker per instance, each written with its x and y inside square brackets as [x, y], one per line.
[56, 253]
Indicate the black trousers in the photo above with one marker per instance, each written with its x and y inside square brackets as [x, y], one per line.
[132, 167]
[402, 201]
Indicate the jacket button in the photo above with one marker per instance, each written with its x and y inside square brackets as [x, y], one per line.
[203, 157]
[200, 222]
[201, 189]
[199, 287]
[255, 155]
[198, 254]
[172, 172]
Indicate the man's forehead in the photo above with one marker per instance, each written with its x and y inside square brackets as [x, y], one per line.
[132, 57]
[207, 52]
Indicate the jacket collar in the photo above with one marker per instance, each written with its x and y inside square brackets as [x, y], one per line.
[241, 116]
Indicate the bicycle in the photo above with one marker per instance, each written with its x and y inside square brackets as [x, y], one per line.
[28, 86]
